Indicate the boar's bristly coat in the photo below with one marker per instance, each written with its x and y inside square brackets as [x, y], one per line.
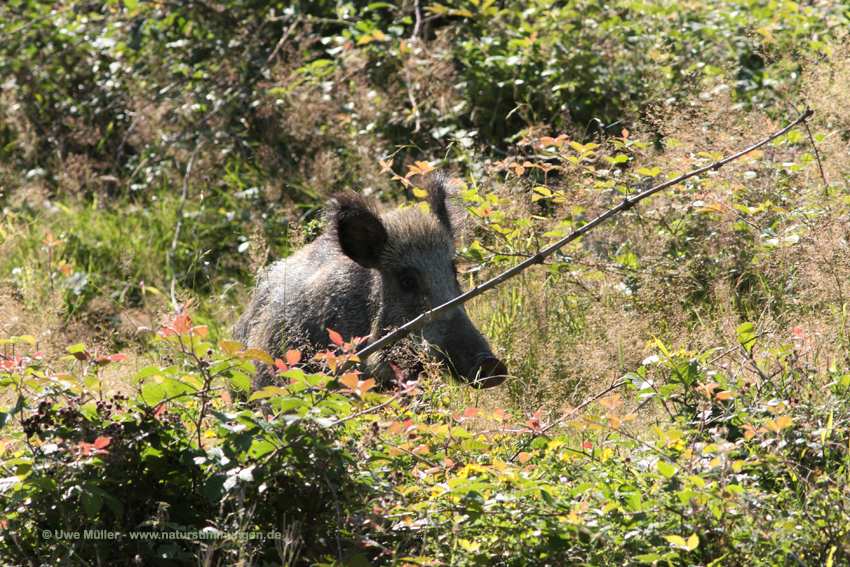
[368, 274]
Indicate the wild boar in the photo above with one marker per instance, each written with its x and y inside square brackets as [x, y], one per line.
[368, 274]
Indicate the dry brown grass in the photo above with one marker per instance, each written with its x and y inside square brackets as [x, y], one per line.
[702, 273]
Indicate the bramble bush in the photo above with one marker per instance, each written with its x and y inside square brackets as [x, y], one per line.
[732, 473]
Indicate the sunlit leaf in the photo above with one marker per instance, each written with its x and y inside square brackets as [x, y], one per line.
[336, 338]
[257, 354]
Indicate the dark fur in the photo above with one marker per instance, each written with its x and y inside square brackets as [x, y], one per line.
[355, 280]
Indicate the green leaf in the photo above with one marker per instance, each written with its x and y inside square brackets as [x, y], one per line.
[460, 433]
[544, 494]
[319, 63]
[241, 381]
[666, 469]
[111, 502]
[91, 502]
[260, 448]
[473, 445]
[676, 540]
[693, 542]
[174, 388]
[214, 487]
[746, 336]
[152, 394]
[6, 416]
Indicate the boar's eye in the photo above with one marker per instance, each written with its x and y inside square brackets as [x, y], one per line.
[407, 282]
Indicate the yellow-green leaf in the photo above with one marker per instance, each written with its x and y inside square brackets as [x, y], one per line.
[676, 540]
[258, 354]
[230, 347]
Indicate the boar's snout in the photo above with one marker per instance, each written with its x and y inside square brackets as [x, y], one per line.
[490, 373]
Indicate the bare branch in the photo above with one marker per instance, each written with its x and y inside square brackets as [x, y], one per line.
[179, 226]
[418, 19]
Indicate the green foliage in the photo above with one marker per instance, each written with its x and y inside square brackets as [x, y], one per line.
[363, 475]
[679, 377]
[173, 458]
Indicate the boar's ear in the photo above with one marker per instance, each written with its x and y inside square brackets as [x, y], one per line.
[438, 196]
[357, 228]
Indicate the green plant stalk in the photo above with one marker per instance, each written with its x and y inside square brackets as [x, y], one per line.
[541, 256]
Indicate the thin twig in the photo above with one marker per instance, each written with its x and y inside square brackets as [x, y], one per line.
[120, 153]
[418, 19]
[415, 109]
[280, 43]
[179, 226]
[338, 515]
[815, 148]
[570, 414]
[539, 258]
[817, 157]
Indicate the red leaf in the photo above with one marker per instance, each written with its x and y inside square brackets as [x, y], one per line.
[281, 365]
[587, 445]
[470, 413]
[181, 324]
[366, 385]
[115, 357]
[225, 397]
[101, 442]
[448, 462]
[200, 331]
[292, 357]
[349, 380]
[335, 337]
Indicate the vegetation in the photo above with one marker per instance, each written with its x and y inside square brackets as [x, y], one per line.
[680, 389]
